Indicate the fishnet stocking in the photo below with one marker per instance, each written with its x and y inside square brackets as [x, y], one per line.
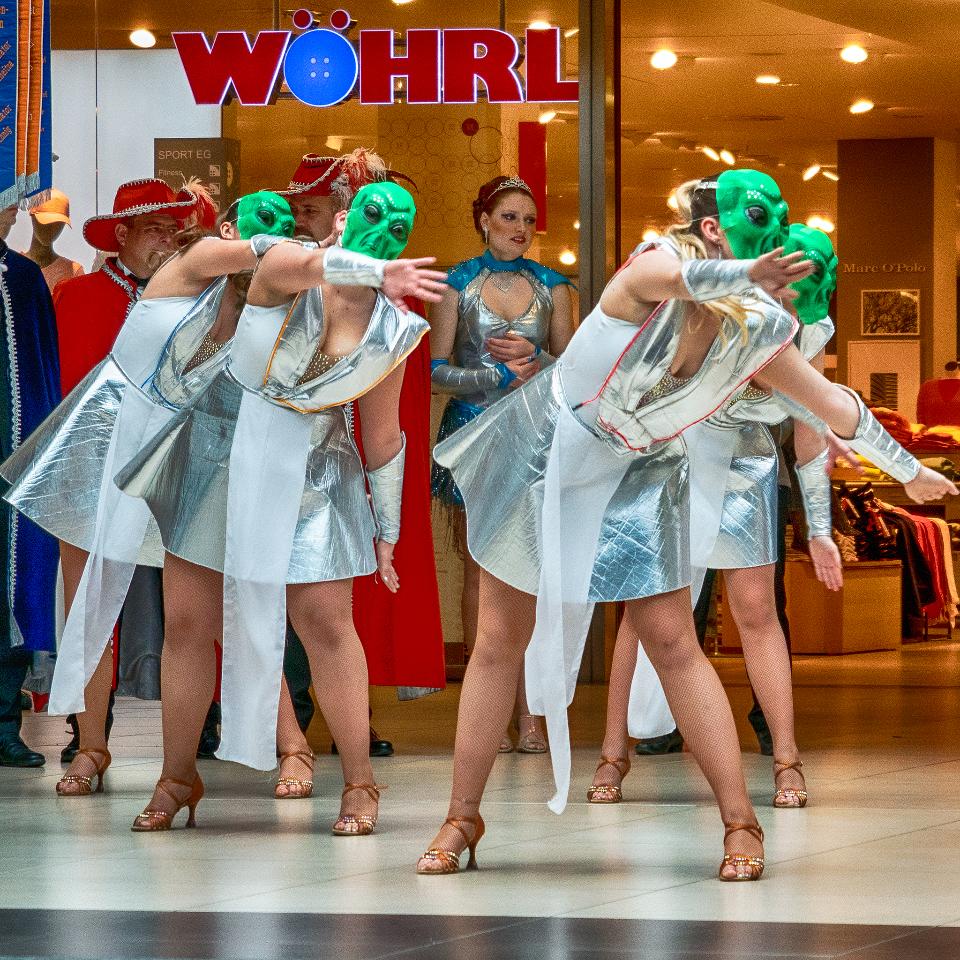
[322, 616]
[469, 595]
[96, 695]
[290, 740]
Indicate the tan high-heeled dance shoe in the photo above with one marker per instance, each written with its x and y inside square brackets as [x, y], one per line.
[363, 824]
[748, 868]
[296, 789]
[788, 797]
[608, 792]
[531, 740]
[151, 821]
[438, 861]
[73, 785]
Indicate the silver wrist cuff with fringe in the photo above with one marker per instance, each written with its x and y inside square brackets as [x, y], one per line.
[346, 268]
[872, 441]
[715, 279]
[815, 491]
[386, 492]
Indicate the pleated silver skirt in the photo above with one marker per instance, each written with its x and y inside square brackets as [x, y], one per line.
[183, 475]
[57, 472]
[499, 463]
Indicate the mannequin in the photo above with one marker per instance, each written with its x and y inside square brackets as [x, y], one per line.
[48, 221]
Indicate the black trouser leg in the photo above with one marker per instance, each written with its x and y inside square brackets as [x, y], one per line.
[13, 671]
[296, 668]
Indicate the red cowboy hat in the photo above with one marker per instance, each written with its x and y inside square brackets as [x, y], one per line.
[339, 176]
[132, 200]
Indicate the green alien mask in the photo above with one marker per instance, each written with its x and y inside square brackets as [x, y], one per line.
[753, 214]
[813, 292]
[379, 221]
[264, 212]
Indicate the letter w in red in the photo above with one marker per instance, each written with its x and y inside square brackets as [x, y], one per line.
[252, 71]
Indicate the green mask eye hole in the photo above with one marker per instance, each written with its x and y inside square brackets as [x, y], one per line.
[288, 229]
[266, 217]
[371, 213]
[757, 215]
[399, 231]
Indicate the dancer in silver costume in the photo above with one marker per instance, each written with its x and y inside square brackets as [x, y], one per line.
[734, 529]
[62, 478]
[504, 319]
[575, 490]
[260, 498]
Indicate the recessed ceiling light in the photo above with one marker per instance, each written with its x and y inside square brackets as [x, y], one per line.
[576, 224]
[853, 53]
[821, 223]
[830, 175]
[143, 38]
[672, 202]
[539, 25]
[861, 106]
[728, 158]
[572, 32]
[768, 79]
[649, 235]
[811, 171]
[401, 3]
[663, 60]
[547, 116]
[568, 258]
[711, 153]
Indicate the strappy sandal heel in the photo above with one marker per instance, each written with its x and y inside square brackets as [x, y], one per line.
[609, 792]
[448, 861]
[84, 785]
[748, 868]
[296, 789]
[532, 741]
[787, 798]
[364, 824]
[152, 821]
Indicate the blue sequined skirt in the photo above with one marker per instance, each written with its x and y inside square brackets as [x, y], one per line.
[457, 414]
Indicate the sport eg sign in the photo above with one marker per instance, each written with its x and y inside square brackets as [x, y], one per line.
[321, 66]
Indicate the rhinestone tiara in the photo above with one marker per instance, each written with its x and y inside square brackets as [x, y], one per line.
[513, 183]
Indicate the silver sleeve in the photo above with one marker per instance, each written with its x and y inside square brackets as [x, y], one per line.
[797, 411]
[462, 381]
[716, 279]
[386, 492]
[346, 268]
[815, 491]
[873, 442]
[263, 242]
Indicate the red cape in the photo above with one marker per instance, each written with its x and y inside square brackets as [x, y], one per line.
[401, 633]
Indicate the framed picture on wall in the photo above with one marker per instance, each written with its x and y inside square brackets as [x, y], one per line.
[889, 313]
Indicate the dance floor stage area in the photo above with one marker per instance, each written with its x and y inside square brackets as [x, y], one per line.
[868, 871]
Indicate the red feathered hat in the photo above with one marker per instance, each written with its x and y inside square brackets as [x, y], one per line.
[134, 199]
[339, 177]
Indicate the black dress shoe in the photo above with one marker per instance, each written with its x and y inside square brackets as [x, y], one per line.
[378, 747]
[759, 723]
[210, 735]
[668, 743]
[70, 750]
[15, 753]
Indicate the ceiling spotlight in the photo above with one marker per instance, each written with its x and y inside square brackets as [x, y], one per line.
[728, 158]
[831, 175]
[650, 235]
[711, 153]
[821, 223]
[663, 60]
[576, 224]
[401, 3]
[853, 53]
[672, 202]
[811, 171]
[861, 106]
[547, 116]
[539, 25]
[568, 258]
[572, 32]
[143, 38]
[768, 79]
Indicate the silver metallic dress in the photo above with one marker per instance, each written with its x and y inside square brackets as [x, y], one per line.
[734, 524]
[575, 485]
[259, 477]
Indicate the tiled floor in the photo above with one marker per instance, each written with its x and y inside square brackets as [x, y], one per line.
[868, 870]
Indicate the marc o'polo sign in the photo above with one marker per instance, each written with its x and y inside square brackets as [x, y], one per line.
[909, 266]
[321, 67]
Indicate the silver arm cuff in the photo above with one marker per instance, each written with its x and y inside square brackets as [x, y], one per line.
[815, 491]
[462, 381]
[386, 491]
[263, 242]
[873, 442]
[346, 268]
[716, 279]
[797, 411]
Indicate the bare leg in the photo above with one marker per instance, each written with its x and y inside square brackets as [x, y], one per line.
[752, 603]
[486, 699]
[96, 694]
[293, 749]
[322, 615]
[616, 743]
[697, 699]
[193, 622]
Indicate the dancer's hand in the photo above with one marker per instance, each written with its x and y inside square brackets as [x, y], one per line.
[523, 370]
[826, 562]
[774, 272]
[410, 278]
[385, 566]
[840, 454]
[510, 347]
[929, 485]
